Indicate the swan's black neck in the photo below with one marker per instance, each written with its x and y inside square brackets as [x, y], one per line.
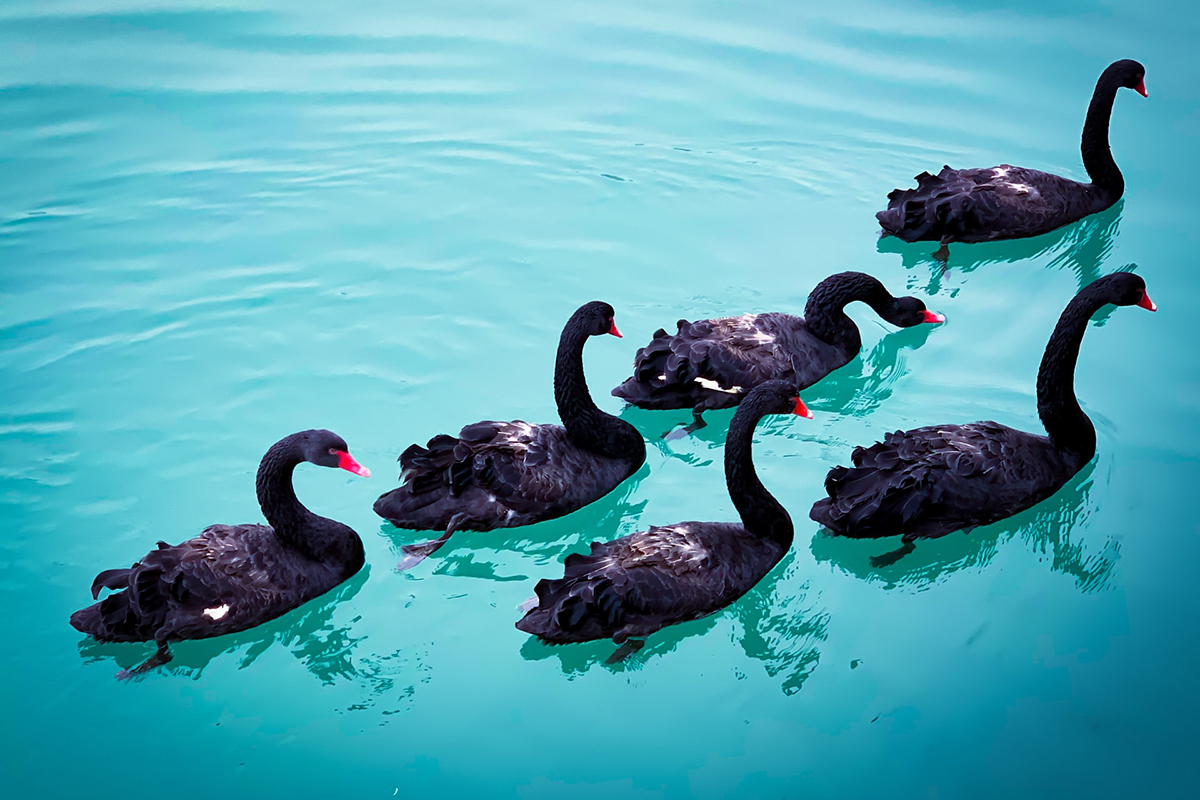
[315, 536]
[825, 315]
[1058, 407]
[587, 426]
[762, 515]
[1097, 157]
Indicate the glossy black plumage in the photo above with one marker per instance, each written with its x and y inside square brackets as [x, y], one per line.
[713, 363]
[637, 584]
[233, 577]
[929, 481]
[1007, 202]
[505, 474]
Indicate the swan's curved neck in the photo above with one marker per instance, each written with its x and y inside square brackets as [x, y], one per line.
[825, 315]
[277, 498]
[1097, 157]
[587, 426]
[1058, 407]
[762, 515]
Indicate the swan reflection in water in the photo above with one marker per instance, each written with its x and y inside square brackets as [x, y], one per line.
[1080, 248]
[541, 545]
[1053, 528]
[332, 653]
[775, 626]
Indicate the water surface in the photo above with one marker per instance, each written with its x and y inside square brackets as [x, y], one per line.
[221, 223]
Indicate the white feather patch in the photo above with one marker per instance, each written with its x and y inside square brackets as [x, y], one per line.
[529, 604]
[216, 613]
[716, 387]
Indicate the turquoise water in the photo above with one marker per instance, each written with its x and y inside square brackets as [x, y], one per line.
[221, 224]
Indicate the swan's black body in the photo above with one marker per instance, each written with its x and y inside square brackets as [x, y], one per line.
[635, 585]
[233, 577]
[928, 482]
[505, 474]
[1007, 202]
[713, 363]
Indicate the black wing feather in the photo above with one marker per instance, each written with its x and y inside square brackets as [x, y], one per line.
[497, 474]
[976, 205]
[637, 584]
[930, 481]
[714, 363]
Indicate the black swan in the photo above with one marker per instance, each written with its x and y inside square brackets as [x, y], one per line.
[233, 577]
[1007, 202]
[506, 474]
[713, 363]
[629, 588]
[928, 482]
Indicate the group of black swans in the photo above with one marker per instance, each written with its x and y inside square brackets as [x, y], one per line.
[921, 483]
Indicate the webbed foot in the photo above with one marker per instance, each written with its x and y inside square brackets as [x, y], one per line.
[889, 558]
[416, 553]
[630, 647]
[679, 433]
[162, 656]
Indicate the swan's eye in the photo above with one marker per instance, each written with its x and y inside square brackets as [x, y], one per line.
[332, 452]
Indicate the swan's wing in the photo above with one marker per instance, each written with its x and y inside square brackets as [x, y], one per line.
[634, 585]
[728, 355]
[524, 468]
[928, 481]
[222, 566]
[979, 204]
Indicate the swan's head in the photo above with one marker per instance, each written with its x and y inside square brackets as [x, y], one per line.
[327, 449]
[777, 397]
[597, 318]
[908, 311]
[1130, 74]
[1127, 289]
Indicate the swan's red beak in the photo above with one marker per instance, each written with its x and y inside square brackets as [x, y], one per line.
[614, 332]
[1141, 88]
[1147, 303]
[801, 410]
[347, 462]
[932, 316]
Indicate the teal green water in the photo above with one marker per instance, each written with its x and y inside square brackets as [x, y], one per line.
[220, 225]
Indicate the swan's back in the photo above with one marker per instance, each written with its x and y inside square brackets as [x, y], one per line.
[640, 583]
[496, 475]
[928, 482]
[227, 579]
[977, 205]
[714, 363]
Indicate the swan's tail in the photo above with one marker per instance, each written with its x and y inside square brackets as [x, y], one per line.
[885, 493]
[432, 466]
[585, 604]
[859, 498]
[661, 377]
[442, 470]
[935, 211]
[116, 618]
